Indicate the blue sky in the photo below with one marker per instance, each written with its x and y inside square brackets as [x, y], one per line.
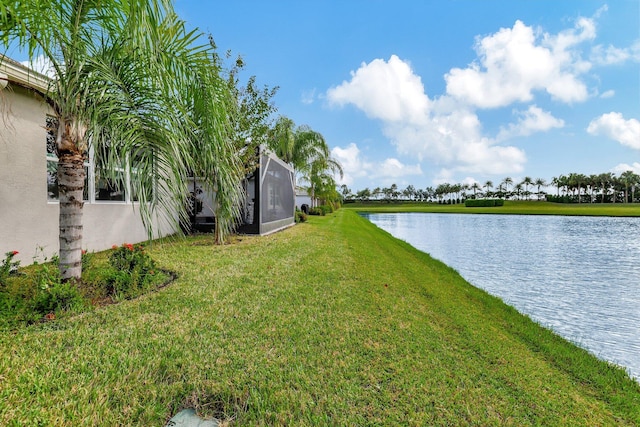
[425, 92]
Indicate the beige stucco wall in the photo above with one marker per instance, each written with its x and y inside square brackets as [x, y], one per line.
[28, 221]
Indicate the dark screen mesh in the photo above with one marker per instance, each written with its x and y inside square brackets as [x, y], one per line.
[277, 197]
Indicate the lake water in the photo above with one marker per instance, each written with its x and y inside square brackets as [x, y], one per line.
[579, 276]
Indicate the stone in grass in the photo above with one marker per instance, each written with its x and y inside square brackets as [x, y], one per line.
[189, 418]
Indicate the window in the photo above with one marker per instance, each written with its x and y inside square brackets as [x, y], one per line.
[97, 186]
[112, 188]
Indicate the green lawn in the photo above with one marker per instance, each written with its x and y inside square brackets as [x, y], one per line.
[510, 207]
[331, 322]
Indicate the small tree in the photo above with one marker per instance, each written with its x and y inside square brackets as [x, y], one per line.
[144, 91]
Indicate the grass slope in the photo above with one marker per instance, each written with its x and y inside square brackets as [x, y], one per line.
[332, 322]
[510, 207]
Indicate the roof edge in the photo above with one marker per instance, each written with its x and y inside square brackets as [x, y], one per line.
[17, 73]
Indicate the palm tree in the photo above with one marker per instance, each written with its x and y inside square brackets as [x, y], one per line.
[576, 180]
[540, 182]
[325, 189]
[306, 150]
[376, 192]
[507, 182]
[488, 185]
[387, 193]
[475, 187]
[628, 179]
[527, 181]
[429, 193]
[557, 180]
[592, 183]
[456, 189]
[409, 192]
[606, 180]
[132, 82]
[363, 195]
[517, 189]
[618, 187]
[345, 191]
[282, 140]
[394, 191]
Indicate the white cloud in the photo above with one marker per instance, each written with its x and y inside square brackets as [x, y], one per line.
[530, 121]
[356, 166]
[352, 163]
[623, 167]
[515, 62]
[614, 126]
[442, 130]
[393, 168]
[513, 65]
[608, 94]
[612, 55]
[609, 55]
[308, 96]
[42, 65]
[389, 91]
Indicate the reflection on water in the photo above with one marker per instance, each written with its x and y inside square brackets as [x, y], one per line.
[577, 275]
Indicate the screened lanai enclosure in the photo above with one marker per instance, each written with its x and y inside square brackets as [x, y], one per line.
[269, 202]
[270, 196]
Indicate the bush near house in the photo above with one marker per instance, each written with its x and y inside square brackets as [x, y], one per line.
[321, 210]
[37, 293]
[300, 216]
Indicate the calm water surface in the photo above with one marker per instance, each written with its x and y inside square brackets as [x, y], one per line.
[580, 276]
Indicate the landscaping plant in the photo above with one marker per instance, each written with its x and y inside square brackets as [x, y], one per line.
[132, 271]
[9, 266]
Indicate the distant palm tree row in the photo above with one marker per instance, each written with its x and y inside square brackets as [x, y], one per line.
[602, 188]
[571, 188]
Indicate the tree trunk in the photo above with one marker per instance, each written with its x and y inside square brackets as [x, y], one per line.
[71, 177]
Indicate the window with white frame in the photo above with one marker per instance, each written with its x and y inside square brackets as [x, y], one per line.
[110, 187]
[98, 186]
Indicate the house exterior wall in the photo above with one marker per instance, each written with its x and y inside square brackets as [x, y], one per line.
[302, 198]
[28, 221]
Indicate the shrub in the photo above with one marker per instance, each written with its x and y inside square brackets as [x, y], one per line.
[300, 216]
[327, 209]
[132, 270]
[475, 203]
[8, 267]
[87, 259]
[52, 294]
[316, 211]
[58, 297]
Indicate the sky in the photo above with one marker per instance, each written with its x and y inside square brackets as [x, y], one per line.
[424, 92]
[427, 92]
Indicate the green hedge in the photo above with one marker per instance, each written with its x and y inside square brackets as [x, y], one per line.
[484, 203]
[322, 210]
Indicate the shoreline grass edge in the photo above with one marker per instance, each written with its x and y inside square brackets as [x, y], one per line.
[331, 322]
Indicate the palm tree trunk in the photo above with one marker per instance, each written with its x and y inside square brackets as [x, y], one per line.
[626, 194]
[71, 177]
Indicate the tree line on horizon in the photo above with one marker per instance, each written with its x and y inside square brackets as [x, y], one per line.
[571, 188]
